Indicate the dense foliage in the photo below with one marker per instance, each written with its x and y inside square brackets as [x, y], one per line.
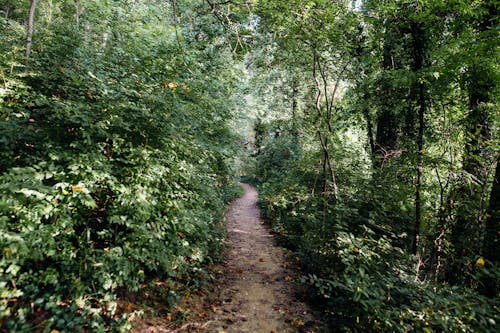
[375, 147]
[115, 159]
[377, 156]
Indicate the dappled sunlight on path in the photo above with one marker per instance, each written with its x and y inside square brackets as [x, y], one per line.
[258, 294]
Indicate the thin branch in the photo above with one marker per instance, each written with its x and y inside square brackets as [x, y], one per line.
[325, 90]
[324, 146]
[224, 17]
[191, 325]
[337, 83]
[318, 86]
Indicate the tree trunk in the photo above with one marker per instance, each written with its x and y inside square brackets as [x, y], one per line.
[387, 123]
[420, 167]
[29, 34]
[325, 117]
[7, 9]
[491, 245]
[295, 92]
[328, 172]
[369, 126]
[419, 52]
[466, 233]
[77, 13]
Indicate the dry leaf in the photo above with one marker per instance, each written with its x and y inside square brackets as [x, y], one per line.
[298, 322]
[76, 188]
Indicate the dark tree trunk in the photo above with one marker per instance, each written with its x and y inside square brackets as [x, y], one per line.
[387, 122]
[491, 245]
[466, 231]
[369, 126]
[295, 92]
[419, 53]
[492, 236]
[387, 136]
[420, 167]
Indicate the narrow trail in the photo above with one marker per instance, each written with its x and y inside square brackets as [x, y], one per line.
[254, 292]
[257, 295]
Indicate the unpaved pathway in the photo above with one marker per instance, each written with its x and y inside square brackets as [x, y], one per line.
[254, 293]
[258, 294]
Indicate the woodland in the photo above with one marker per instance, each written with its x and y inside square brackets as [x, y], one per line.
[369, 127]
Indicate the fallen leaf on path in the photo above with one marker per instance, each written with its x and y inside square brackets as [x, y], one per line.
[169, 316]
[298, 322]
[202, 314]
[160, 283]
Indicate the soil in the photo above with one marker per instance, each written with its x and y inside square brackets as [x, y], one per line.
[255, 292]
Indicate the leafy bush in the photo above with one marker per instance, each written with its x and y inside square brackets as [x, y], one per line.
[355, 257]
[115, 166]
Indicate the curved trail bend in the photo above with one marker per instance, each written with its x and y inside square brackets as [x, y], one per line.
[257, 295]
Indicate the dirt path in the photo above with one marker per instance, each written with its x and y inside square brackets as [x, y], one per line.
[254, 292]
[258, 294]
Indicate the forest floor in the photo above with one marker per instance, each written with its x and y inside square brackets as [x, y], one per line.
[255, 289]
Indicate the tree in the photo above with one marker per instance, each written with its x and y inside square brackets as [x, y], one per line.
[491, 245]
[30, 27]
[480, 83]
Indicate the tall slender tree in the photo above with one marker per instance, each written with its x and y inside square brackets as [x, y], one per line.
[30, 28]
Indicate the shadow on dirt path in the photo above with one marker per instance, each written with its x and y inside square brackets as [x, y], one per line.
[257, 295]
[254, 292]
